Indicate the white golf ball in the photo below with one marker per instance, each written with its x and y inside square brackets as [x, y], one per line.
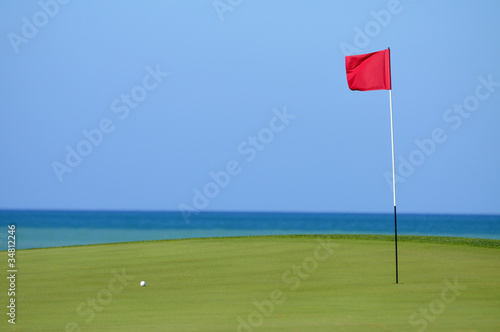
[143, 283]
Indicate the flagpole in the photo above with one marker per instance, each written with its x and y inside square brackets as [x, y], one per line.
[372, 71]
[393, 181]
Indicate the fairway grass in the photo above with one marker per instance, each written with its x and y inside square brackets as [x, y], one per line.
[276, 283]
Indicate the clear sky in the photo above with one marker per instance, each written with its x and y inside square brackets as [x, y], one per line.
[235, 105]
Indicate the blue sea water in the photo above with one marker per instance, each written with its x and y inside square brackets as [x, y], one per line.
[40, 229]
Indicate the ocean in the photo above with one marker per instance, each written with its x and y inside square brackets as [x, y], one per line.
[41, 229]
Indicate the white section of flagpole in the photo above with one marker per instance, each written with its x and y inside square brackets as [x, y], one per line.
[392, 144]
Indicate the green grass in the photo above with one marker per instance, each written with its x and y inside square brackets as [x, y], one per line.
[213, 284]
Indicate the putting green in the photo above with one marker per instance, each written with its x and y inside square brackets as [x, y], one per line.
[289, 283]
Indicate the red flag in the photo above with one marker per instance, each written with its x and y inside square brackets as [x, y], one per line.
[370, 71]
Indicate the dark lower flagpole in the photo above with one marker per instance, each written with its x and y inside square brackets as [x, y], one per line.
[396, 241]
[394, 184]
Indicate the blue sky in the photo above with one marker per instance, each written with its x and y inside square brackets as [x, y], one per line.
[244, 106]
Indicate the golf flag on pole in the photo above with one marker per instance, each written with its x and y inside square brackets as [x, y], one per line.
[366, 72]
[372, 71]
